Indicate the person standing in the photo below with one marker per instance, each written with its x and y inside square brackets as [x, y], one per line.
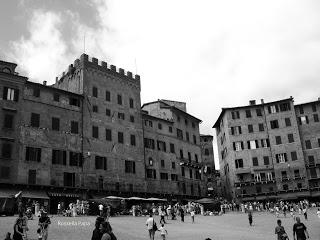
[18, 230]
[318, 212]
[305, 214]
[192, 213]
[250, 217]
[181, 214]
[151, 226]
[44, 222]
[162, 215]
[100, 209]
[281, 233]
[300, 230]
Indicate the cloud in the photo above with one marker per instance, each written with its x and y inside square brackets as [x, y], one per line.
[211, 54]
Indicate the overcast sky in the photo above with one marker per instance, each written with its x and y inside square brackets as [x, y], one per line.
[210, 54]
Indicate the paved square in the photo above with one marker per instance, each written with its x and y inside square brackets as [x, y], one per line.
[231, 226]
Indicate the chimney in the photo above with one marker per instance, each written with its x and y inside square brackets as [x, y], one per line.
[262, 101]
[45, 83]
[252, 102]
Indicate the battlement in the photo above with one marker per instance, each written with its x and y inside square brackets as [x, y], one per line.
[100, 65]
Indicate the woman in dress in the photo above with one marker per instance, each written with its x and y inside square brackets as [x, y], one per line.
[18, 230]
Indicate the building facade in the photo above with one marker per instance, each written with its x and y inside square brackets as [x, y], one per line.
[86, 136]
[262, 152]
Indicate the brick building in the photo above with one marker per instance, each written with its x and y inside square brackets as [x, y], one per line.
[262, 152]
[85, 136]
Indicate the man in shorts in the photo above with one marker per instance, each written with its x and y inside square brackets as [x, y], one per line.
[151, 230]
[300, 230]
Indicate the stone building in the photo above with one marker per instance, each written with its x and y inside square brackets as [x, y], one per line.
[209, 170]
[86, 136]
[260, 152]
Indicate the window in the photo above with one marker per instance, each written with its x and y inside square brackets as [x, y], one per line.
[120, 137]
[308, 144]
[130, 167]
[131, 103]
[5, 172]
[238, 146]
[100, 183]
[285, 187]
[162, 163]
[299, 185]
[150, 161]
[32, 176]
[301, 110]
[255, 161]
[121, 115]
[179, 134]
[108, 135]
[170, 129]
[248, 113]
[318, 142]
[258, 189]
[236, 130]
[173, 165]
[74, 127]
[239, 163]
[172, 150]
[108, 96]
[69, 179]
[270, 176]
[95, 108]
[95, 132]
[313, 173]
[266, 160]
[181, 153]
[315, 118]
[35, 120]
[278, 140]
[10, 94]
[119, 98]
[258, 111]
[33, 154]
[95, 92]
[182, 172]
[161, 146]
[101, 162]
[132, 140]
[8, 121]
[131, 118]
[184, 189]
[189, 156]
[75, 159]
[151, 173]
[311, 160]
[108, 112]
[261, 127]
[164, 176]
[59, 157]
[193, 125]
[235, 115]
[187, 136]
[149, 143]
[284, 107]
[250, 128]
[274, 124]
[284, 175]
[296, 173]
[148, 123]
[190, 173]
[273, 109]
[197, 174]
[294, 156]
[265, 143]
[290, 138]
[314, 107]
[56, 97]
[194, 139]
[303, 120]
[281, 158]
[55, 124]
[174, 177]
[159, 126]
[288, 122]
[253, 144]
[6, 150]
[196, 157]
[74, 102]
[206, 152]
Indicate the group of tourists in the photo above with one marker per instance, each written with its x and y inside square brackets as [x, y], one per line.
[73, 209]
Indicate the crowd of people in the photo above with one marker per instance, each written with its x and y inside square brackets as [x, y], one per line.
[80, 207]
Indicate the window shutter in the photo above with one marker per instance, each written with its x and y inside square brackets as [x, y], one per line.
[232, 113]
[242, 147]
[307, 119]
[5, 93]
[277, 158]
[262, 143]
[268, 143]
[234, 146]
[269, 109]
[232, 130]
[299, 120]
[257, 144]
[248, 142]
[64, 154]
[27, 154]
[134, 167]
[239, 128]
[39, 155]
[105, 163]
[277, 108]
[16, 95]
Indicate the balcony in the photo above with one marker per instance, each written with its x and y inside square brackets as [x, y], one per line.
[188, 163]
[312, 165]
[314, 178]
[242, 170]
[266, 194]
[252, 182]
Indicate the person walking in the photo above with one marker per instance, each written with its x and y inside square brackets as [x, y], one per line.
[181, 214]
[318, 212]
[97, 234]
[151, 226]
[305, 214]
[162, 215]
[18, 230]
[44, 222]
[281, 233]
[192, 214]
[100, 209]
[300, 230]
[163, 232]
[250, 217]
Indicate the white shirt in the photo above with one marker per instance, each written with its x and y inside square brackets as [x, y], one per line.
[162, 231]
[149, 223]
[100, 207]
[318, 213]
[192, 213]
[59, 206]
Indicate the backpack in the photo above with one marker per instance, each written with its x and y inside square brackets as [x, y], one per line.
[154, 226]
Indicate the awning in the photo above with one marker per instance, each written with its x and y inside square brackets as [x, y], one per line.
[315, 194]
[35, 194]
[64, 194]
[4, 193]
